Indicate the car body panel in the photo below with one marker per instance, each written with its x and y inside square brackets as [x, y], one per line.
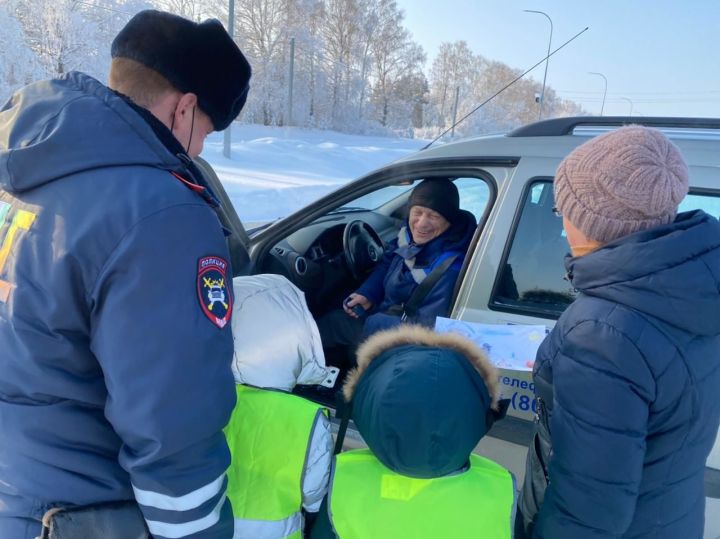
[508, 164]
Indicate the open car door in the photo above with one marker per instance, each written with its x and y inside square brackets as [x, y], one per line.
[238, 240]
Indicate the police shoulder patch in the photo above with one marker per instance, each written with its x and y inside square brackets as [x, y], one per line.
[215, 298]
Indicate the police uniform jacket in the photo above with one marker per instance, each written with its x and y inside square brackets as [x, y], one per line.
[115, 346]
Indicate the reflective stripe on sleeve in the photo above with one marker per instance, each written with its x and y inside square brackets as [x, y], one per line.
[175, 531]
[188, 501]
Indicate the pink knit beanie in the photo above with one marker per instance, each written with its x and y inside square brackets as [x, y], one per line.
[621, 182]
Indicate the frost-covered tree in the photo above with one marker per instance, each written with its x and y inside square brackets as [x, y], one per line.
[195, 10]
[67, 35]
[453, 69]
[311, 102]
[411, 93]
[18, 64]
[396, 58]
[262, 28]
[356, 67]
[339, 29]
[457, 71]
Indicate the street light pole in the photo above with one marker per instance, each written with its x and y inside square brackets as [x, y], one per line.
[631, 104]
[231, 31]
[547, 61]
[602, 107]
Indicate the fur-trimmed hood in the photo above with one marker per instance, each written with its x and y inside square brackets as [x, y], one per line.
[419, 335]
[422, 400]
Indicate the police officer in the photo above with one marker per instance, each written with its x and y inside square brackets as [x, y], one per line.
[115, 296]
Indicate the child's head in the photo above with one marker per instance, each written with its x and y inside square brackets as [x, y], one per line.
[422, 400]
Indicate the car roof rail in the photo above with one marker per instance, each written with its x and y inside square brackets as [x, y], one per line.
[564, 126]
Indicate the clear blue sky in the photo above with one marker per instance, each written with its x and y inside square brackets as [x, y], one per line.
[663, 55]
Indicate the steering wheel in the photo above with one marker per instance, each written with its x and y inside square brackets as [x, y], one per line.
[362, 246]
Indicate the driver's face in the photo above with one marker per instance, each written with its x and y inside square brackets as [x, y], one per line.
[426, 224]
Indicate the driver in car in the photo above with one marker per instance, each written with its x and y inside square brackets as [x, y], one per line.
[414, 281]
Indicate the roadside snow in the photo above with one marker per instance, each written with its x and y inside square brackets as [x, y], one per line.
[274, 171]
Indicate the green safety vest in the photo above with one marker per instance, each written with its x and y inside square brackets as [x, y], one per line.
[269, 437]
[370, 501]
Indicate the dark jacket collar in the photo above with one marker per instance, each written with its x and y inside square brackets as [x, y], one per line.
[668, 272]
[169, 141]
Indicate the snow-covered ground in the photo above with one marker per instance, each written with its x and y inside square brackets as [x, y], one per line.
[274, 171]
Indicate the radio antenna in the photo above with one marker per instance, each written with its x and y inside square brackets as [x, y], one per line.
[501, 90]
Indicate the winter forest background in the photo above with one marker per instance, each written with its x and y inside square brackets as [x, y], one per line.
[356, 69]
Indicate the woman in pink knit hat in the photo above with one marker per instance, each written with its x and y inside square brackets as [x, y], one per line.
[627, 380]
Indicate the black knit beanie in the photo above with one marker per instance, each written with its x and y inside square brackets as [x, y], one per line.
[194, 57]
[439, 194]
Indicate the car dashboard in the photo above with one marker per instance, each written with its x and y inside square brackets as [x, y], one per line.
[313, 257]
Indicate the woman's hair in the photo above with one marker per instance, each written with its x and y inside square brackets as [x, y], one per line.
[143, 85]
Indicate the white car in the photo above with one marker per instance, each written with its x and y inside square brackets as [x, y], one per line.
[514, 271]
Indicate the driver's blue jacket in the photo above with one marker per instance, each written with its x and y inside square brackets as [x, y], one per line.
[115, 379]
[392, 282]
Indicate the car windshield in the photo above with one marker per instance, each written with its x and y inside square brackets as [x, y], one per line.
[376, 199]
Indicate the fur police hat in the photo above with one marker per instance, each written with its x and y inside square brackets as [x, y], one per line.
[194, 57]
[439, 194]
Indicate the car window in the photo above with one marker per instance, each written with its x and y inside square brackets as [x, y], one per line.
[532, 277]
[376, 199]
[532, 274]
[709, 203]
[474, 196]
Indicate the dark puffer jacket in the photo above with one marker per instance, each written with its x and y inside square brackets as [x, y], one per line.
[627, 383]
[392, 282]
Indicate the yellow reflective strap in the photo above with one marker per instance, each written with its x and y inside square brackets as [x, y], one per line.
[23, 220]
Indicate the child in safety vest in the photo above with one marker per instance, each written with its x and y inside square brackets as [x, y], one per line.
[281, 444]
[421, 401]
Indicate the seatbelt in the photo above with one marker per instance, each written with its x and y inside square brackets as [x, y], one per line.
[410, 308]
